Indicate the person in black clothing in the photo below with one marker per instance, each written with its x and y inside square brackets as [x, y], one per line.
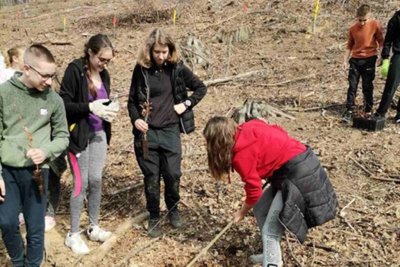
[160, 108]
[392, 41]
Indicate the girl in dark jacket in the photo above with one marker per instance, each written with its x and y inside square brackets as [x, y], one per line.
[160, 108]
[300, 195]
[85, 90]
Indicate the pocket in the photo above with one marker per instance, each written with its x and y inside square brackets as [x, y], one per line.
[186, 124]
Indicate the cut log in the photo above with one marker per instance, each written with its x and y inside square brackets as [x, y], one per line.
[98, 254]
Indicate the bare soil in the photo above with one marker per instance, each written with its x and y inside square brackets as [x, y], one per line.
[300, 73]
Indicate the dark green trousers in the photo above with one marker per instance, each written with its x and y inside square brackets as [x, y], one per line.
[164, 160]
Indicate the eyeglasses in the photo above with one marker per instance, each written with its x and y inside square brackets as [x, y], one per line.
[104, 60]
[44, 77]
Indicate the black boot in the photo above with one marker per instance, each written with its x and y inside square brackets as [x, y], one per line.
[153, 229]
[175, 219]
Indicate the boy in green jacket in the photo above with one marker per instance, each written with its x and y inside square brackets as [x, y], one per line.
[33, 131]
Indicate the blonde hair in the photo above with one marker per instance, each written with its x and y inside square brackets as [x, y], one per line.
[220, 137]
[157, 36]
[15, 51]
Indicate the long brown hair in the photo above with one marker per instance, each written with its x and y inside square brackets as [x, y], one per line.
[220, 136]
[95, 44]
[15, 51]
[157, 36]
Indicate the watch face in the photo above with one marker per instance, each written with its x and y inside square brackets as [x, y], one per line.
[188, 103]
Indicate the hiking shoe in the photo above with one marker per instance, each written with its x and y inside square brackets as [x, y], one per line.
[153, 229]
[75, 242]
[347, 116]
[95, 233]
[175, 219]
[256, 258]
[49, 223]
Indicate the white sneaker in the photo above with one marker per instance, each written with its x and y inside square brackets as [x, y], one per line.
[75, 242]
[49, 223]
[95, 233]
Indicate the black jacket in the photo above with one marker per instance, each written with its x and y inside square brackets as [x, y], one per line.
[308, 196]
[182, 80]
[75, 93]
[392, 37]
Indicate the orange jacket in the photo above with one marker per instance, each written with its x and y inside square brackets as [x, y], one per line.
[364, 40]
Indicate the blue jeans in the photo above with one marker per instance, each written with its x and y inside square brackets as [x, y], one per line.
[23, 193]
[267, 211]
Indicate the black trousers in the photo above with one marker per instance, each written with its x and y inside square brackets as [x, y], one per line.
[392, 82]
[364, 68]
[165, 155]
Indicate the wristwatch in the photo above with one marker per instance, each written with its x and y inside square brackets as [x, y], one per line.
[187, 103]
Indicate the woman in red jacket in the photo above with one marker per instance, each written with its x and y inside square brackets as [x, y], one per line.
[300, 195]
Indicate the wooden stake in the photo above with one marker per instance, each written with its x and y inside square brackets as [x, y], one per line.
[204, 250]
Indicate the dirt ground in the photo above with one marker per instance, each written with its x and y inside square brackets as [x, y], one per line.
[299, 72]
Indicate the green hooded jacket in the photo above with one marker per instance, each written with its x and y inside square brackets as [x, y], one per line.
[30, 119]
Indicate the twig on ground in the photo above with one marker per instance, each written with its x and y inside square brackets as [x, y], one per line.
[361, 166]
[289, 81]
[321, 246]
[373, 176]
[127, 188]
[135, 251]
[231, 78]
[110, 163]
[199, 169]
[196, 212]
[345, 207]
[228, 60]
[129, 51]
[315, 108]
[291, 250]
[222, 21]
[197, 54]
[313, 257]
[60, 42]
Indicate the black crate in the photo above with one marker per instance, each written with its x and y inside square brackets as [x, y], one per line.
[370, 123]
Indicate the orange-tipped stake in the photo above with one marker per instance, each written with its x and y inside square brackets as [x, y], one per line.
[114, 21]
[245, 7]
